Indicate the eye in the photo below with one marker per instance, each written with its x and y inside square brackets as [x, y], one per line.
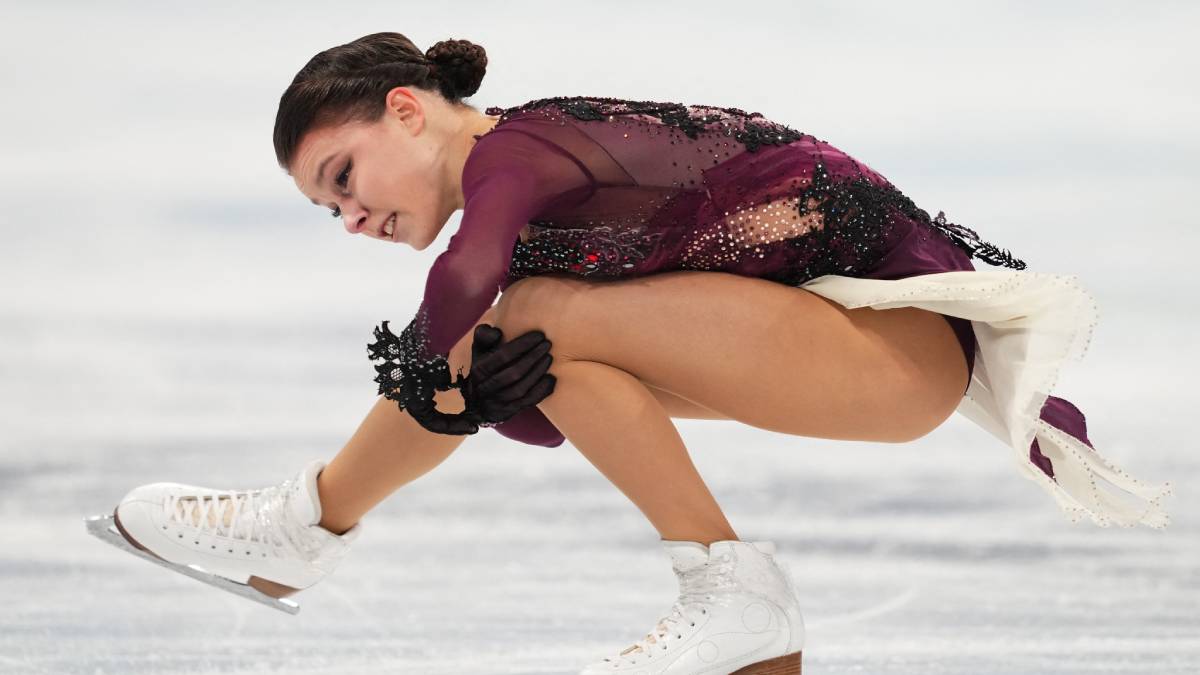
[341, 180]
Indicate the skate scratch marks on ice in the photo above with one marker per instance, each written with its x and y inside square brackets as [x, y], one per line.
[868, 613]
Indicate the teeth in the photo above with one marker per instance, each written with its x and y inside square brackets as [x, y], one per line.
[390, 225]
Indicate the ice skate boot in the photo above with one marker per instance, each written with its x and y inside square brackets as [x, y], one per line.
[737, 612]
[262, 544]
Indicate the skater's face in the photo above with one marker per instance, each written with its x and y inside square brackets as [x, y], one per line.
[400, 165]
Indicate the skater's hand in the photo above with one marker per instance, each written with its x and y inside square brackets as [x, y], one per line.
[455, 424]
[505, 378]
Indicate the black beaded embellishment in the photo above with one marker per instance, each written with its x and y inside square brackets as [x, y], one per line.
[857, 215]
[853, 238]
[602, 250]
[966, 239]
[403, 376]
[756, 131]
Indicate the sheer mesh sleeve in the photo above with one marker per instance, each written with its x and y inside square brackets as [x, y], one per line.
[510, 176]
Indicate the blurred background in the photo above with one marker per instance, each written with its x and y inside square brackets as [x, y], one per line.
[173, 309]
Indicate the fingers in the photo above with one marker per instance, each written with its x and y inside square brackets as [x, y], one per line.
[543, 388]
[509, 355]
[519, 345]
[487, 336]
[507, 377]
[510, 374]
[528, 377]
[439, 422]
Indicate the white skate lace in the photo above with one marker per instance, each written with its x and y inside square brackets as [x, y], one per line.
[698, 589]
[257, 515]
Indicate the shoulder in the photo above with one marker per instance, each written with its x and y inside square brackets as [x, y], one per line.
[693, 119]
[527, 151]
[536, 108]
[534, 135]
[584, 108]
[543, 117]
[566, 121]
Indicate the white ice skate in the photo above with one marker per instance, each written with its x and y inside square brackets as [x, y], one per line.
[737, 612]
[261, 544]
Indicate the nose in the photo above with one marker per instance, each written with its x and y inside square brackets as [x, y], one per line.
[355, 220]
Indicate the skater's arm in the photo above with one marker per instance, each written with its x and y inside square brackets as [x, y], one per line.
[510, 178]
[506, 184]
[451, 400]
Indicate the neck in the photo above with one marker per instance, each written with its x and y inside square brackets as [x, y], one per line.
[472, 124]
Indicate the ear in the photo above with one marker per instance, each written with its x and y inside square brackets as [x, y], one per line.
[405, 106]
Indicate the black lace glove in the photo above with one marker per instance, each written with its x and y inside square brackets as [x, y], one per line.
[505, 378]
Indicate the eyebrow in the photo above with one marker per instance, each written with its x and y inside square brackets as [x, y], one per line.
[320, 176]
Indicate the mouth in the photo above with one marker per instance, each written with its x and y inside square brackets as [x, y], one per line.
[389, 228]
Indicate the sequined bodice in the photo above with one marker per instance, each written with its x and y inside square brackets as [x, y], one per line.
[610, 188]
[710, 188]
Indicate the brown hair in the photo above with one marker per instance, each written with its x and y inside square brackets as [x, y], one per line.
[347, 83]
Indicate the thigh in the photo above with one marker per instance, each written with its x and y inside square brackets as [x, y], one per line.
[460, 358]
[763, 353]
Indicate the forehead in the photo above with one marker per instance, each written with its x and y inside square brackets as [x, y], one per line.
[317, 146]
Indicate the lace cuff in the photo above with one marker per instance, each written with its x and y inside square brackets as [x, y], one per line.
[404, 374]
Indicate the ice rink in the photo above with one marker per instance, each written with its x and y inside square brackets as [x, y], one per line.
[174, 310]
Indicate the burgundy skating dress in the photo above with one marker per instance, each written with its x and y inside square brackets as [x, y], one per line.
[612, 188]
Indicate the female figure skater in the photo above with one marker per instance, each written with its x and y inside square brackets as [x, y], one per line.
[656, 260]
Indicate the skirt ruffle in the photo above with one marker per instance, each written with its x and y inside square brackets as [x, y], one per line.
[1027, 326]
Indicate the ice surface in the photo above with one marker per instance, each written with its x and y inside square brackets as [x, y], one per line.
[932, 556]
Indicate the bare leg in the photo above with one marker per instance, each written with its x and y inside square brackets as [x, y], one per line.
[627, 434]
[750, 350]
[388, 450]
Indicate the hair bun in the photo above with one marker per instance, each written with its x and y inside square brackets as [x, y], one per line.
[459, 66]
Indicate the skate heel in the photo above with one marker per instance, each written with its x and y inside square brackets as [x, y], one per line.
[267, 587]
[788, 664]
[736, 614]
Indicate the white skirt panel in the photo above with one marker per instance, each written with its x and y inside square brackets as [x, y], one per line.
[1027, 326]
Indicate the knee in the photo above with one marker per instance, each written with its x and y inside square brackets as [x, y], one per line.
[536, 303]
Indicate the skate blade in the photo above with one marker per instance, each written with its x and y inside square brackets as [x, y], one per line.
[104, 527]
